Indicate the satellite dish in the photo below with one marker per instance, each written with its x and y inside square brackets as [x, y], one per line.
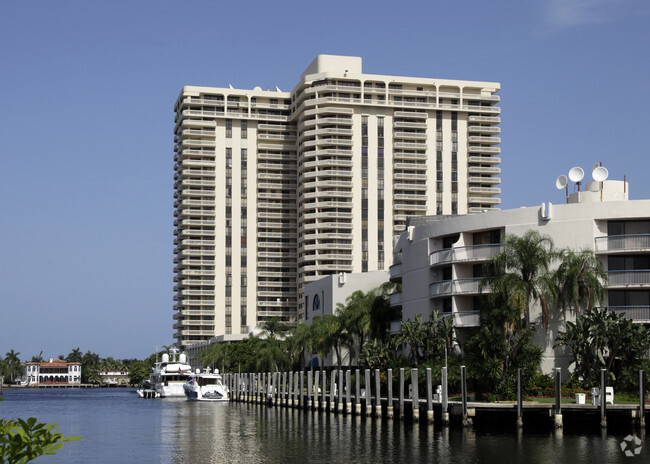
[599, 174]
[561, 182]
[576, 174]
[594, 166]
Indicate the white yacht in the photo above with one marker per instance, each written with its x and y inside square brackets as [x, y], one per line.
[170, 374]
[205, 386]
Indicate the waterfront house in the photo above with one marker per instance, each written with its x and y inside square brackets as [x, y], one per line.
[52, 372]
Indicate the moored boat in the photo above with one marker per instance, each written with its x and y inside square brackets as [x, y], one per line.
[170, 374]
[205, 386]
[146, 390]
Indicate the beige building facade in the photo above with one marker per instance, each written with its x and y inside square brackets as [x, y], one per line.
[274, 190]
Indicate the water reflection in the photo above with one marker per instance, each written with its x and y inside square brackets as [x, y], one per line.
[208, 432]
[119, 427]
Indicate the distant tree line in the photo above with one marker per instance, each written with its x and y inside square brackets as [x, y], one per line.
[92, 365]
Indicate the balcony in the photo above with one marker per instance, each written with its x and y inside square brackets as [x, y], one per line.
[632, 278]
[639, 314]
[485, 190]
[487, 119]
[396, 299]
[484, 159]
[410, 125]
[327, 120]
[283, 145]
[411, 176]
[409, 135]
[484, 180]
[410, 114]
[623, 243]
[464, 254]
[484, 129]
[396, 272]
[467, 318]
[454, 287]
[483, 170]
[482, 139]
[484, 200]
[329, 141]
[482, 149]
[280, 137]
[414, 145]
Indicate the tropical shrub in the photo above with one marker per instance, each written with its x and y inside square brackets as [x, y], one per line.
[22, 441]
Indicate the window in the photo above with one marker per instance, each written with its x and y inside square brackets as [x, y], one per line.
[228, 128]
[244, 129]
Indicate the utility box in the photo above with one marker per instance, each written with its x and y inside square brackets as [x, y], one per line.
[580, 398]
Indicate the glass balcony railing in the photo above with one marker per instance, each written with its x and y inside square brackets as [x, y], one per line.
[468, 253]
[631, 277]
[454, 287]
[614, 243]
[639, 313]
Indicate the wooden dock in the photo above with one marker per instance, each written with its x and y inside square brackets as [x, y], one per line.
[340, 392]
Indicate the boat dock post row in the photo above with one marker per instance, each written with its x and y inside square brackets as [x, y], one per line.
[339, 393]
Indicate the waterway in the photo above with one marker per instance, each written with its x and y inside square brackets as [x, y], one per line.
[119, 427]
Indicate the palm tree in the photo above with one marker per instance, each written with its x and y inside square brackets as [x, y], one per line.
[520, 272]
[577, 338]
[271, 356]
[355, 318]
[328, 334]
[90, 368]
[578, 279]
[75, 355]
[273, 327]
[438, 336]
[12, 363]
[381, 314]
[297, 343]
[601, 339]
[376, 354]
[412, 332]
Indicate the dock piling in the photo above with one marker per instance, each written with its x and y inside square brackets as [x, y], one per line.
[323, 402]
[401, 393]
[444, 399]
[558, 398]
[520, 421]
[368, 395]
[463, 391]
[341, 387]
[642, 398]
[415, 397]
[332, 390]
[429, 397]
[310, 390]
[603, 400]
[389, 395]
[348, 392]
[357, 392]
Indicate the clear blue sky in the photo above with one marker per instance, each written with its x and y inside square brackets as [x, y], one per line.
[86, 120]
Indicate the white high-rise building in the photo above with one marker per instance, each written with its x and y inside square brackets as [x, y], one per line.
[277, 189]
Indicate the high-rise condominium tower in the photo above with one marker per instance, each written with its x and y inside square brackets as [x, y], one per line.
[276, 189]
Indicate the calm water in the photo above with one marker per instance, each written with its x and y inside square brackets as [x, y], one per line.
[119, 427]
